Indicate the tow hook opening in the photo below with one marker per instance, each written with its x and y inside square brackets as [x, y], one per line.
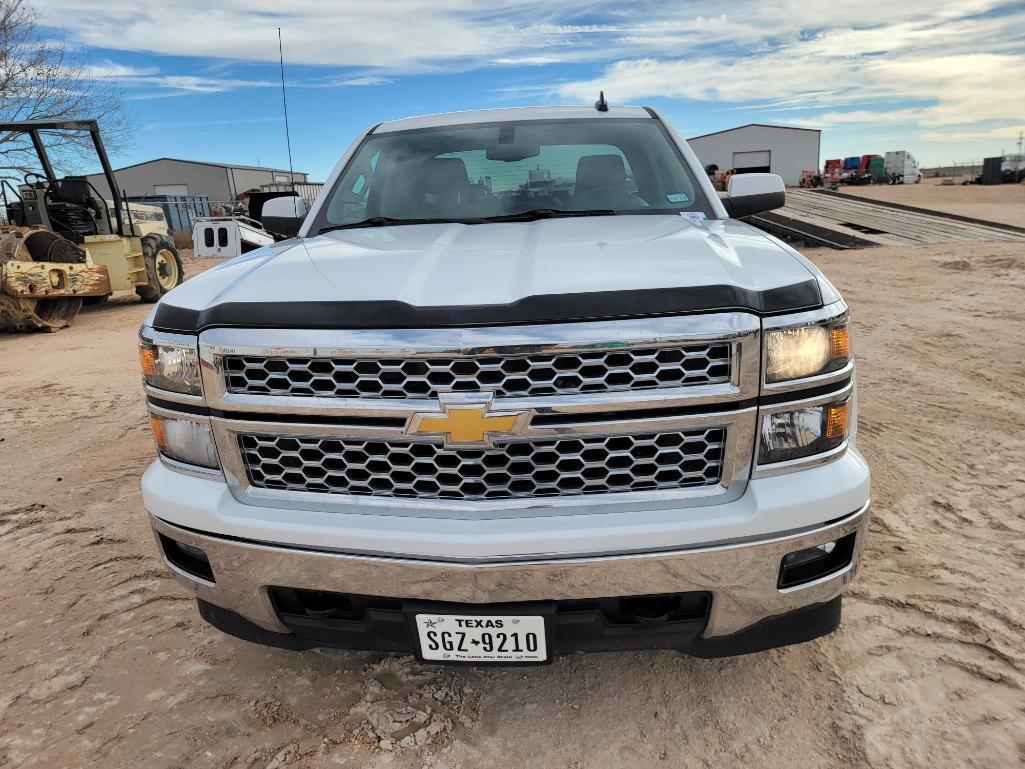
[650, 609]
[812, 563]
[188, 558]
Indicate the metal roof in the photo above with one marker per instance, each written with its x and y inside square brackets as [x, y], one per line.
[215, 165]
[756, 125]
[509, 113]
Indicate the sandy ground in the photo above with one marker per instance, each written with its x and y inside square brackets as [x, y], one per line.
[996, 203]
[104, 661]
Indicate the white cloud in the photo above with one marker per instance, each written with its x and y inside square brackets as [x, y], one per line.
[354, 81]
[1007, 133]
[199, 84]
[410, 35]
[110, 70]
[396, 34]
[928, 70]
[150, 78]
[192, 124]
[874, 117]
[362, 81]
[944, 66]
[526, 61]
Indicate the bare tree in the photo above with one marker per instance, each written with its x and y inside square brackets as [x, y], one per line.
[40, 79]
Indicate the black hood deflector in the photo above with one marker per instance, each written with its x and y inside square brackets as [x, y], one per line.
[540, 308]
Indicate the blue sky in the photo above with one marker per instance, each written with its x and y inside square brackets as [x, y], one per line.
[942, 79]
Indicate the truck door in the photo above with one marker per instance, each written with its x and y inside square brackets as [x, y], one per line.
[204, 239]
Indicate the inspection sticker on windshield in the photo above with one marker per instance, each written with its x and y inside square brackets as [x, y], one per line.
[677, 197]
[694, 217]
[482, 638]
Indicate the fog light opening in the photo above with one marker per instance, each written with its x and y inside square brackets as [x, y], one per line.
[812, 563]
[188, 558]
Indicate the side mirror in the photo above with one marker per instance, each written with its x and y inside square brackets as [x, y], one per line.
[753, 193]
[284, 215]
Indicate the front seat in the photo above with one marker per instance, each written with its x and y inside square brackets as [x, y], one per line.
[601, 183]
[440, 188]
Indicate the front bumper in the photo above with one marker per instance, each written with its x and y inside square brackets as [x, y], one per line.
[741, 577]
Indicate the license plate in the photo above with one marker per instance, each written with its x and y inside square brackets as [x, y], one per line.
[482, 638]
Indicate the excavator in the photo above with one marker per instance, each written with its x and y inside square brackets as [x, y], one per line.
[66, 244]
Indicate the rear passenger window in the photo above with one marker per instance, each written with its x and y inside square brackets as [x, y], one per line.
[222, 237]
[208, 237]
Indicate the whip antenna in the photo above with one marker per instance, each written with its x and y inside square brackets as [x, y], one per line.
[284, 107]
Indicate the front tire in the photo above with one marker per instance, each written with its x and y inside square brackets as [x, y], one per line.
[163, 267]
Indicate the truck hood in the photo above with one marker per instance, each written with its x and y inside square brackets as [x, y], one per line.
[449, 274]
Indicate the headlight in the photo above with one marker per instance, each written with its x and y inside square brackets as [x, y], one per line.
[787, 435]
[170, 366]
[185, 440]
[805, 351]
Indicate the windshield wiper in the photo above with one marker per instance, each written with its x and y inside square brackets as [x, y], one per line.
[388, 221]
[523, 216]
[547, 213]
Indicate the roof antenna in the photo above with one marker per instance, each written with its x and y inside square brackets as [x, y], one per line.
[601, 105]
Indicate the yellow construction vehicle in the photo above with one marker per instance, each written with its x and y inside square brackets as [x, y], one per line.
[66, 244]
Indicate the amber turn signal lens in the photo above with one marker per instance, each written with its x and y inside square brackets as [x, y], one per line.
[157, 426]
[839, 343]
[837, 420]
[148, 361]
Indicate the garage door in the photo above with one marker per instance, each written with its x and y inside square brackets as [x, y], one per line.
[752, 162]
[170, 189]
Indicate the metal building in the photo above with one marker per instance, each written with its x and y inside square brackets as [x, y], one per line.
[215, 181]
[760, 148]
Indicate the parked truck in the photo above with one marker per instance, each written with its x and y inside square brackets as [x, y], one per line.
[461, 418]
[832, 171]
[901, 168]
[876, 170]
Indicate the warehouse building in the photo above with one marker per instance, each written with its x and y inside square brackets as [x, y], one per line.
[215, 181]
[760, 148]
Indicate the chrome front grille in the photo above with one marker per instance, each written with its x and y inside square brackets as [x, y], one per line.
[617, 415]
[513, 469]
[524, 375]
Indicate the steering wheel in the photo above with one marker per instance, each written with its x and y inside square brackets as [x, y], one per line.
[34, 175]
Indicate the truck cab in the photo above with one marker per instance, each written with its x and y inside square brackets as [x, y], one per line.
[901, 168]
[521, 385]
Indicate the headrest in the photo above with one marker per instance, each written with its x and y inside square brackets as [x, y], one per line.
[443, 174]
[600, 171]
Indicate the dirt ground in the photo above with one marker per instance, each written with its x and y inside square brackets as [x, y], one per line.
[995, 203]
[104, 661]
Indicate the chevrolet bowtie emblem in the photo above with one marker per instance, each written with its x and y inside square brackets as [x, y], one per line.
[468, 424]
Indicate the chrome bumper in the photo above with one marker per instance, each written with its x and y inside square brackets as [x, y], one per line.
[742, 577]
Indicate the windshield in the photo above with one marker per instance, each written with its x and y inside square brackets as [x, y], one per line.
[482, 172]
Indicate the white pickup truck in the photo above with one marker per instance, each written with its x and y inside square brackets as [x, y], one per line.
[522, 385]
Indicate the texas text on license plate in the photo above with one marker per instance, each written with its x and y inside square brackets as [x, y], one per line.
[482, 638]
